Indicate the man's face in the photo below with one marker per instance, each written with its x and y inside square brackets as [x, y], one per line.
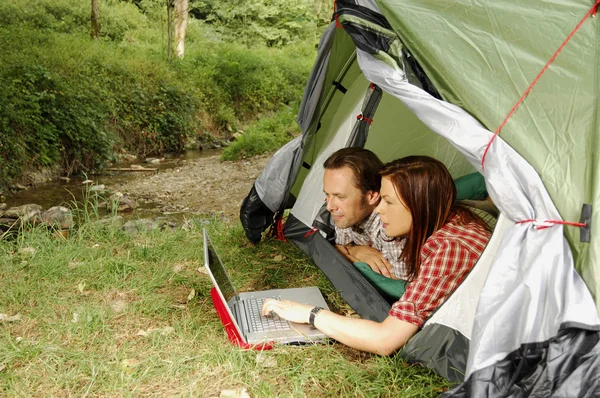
[346, 203]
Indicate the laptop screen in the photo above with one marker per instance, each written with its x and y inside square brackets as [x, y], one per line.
[218, 271]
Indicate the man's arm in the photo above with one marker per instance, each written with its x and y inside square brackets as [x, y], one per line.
[368, 255]
[345, 251]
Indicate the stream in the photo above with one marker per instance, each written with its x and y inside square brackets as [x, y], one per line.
[61, 192]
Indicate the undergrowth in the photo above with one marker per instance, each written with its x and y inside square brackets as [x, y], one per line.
[70, 100]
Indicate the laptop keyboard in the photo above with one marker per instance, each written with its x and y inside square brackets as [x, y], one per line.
[259, 323]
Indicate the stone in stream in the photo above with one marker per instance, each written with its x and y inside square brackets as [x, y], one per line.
[7, 223]
[121, 202]
[57, 216]
[116, 221]
[24, 212]
[97, 188]
[134, 226]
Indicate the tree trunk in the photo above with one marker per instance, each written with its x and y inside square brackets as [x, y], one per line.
[169, 29]
[181, 21]
[95, 32]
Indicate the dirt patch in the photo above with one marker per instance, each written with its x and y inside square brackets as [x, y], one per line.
[202, 186]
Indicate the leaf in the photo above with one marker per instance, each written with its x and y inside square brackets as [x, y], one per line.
[237, 393]
[266, 361]
[167, 330]
[129, 365]
[278, 258]
[81, 287]
[6, 318]
[191, 295]
[27, 251]
[75, 317]
[164, 331]
[202, 270]
[178, 267]
[118, 305]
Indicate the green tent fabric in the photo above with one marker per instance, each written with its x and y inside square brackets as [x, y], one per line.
[482, 56]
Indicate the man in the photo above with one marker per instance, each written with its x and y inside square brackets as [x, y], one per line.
[351, 184]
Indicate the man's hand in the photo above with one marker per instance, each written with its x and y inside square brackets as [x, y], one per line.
[373, 258]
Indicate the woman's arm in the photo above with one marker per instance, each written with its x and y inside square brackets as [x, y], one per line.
[380, 338]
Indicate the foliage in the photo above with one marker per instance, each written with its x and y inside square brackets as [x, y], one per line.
[71, 100]
[270, 22]
[265, 135]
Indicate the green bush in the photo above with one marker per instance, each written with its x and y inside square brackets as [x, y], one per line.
[265, 135]
[71, 100]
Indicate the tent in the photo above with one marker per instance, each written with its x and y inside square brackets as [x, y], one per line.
[440, 79]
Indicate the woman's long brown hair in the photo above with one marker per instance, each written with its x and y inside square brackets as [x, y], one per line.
[428, 191]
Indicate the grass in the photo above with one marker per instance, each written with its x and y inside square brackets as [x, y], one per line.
[108, 314]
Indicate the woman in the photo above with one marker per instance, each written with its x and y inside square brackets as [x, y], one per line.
[443, 243]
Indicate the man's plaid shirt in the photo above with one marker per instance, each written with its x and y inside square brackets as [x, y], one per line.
[371, 233]
[446, 259]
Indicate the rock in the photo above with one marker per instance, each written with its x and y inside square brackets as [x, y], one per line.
[7, 223]
[97, 188]
[154, 160]
[134, 226]
[24, 212]
[116, 221]
[65, 179]
[2, 206]
[57, 216]
[136, 167]
[20, 187]
[121, 202]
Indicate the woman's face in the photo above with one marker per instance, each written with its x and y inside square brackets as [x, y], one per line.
[396, 218]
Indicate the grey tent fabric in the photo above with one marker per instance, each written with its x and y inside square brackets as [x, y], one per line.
[272, 184]
[316, 80]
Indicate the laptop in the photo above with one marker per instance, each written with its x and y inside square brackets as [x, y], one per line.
[244, 309]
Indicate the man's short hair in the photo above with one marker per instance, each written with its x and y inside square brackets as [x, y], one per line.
[365, 166]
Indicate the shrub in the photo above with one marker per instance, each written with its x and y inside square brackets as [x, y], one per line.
[68, 99]
[267, 134]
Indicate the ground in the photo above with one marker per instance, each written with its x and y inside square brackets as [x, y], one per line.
[206, 185]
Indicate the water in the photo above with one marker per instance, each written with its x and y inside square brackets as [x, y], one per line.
[60, 192]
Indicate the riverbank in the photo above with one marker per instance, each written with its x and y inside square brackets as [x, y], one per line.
[204, 186]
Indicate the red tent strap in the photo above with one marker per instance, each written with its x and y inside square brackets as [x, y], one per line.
[278, 230]
[592, 11]
[337, 21]
[366, 119]
[310, 232]
[549, 223]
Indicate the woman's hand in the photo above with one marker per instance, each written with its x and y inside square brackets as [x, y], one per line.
[288, 310]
